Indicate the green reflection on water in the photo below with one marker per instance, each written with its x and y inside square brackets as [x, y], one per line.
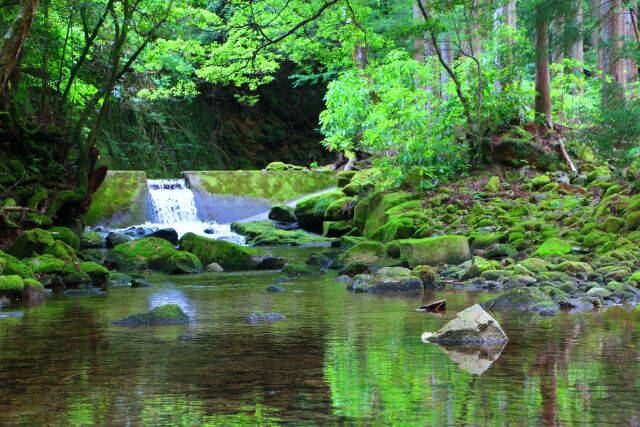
[340, 358]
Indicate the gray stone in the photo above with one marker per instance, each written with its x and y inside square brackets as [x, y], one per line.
[255, 318]
[472, 326]
[214, 267]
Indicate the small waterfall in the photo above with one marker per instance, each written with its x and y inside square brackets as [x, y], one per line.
[173, 202]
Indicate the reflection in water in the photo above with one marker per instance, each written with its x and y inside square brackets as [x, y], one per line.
[474, 359]
[339, 358]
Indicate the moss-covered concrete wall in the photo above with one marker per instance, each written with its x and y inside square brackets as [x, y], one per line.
[121, 200]
[276, 186]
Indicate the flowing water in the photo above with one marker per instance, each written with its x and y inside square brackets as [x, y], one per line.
[338, 359]
[174, 206]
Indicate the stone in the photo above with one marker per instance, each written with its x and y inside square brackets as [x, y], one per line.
[283, 213]
[275, 288]
[255, 318]
[168, 314]
[146, 253]
[31, 242]
[183, 263]
[115, 239]
[214, 267]
[366, 252]
[501, 251]
[168, 234]
[428, 274]
[520, 298]
[93, 240]
[355, 269]
[435, 251]
[387, 279]
[77, 279]
[310, 211]
[472, 326]
[492, 185]
[66, 235]
[229, 255]
[553, 246]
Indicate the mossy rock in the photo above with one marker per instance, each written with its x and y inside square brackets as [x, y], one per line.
[337, 228]
[378, 206]
[168, 314]
[540, 181]
[360, 213]
[93, 240]
[343, 178]
[229, 255]
[61, 250]
[611, 224]
[96, 272]
[275, 185]
[120, 200]
[521, 298]
[281, 166]
[300, 269]
[501, 251]
[435, 250]
[575, 267]
[47, 264]
[183, 263]
[65, 235]
[341, 209]
[413, 179]
[31, 242]
[147, 253]
[365, 252]
[553, 246]
[264, 233]
[632, 221]
[11, 286]
[33, 291]
[310, 211]
[282, 213]
[387, 279]
[493, 185]
[77, 279]
[479, 241]
[395, 229]
[597, 238]
[347, 242]
[513, 151]
[428, 274]
[13, 266]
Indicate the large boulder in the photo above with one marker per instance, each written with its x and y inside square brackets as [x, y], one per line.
[115, 239]
[435, 250]
[472, 326]
[521, 151]
[521, 298]
[282, 213]
[66, 235]
[310, 211]
[387, 279]
[228, 255]
[31, 242]
[168, 234]
[366, 252]
[183, 263]
[13, 266]
[265, 233]
[168, 314]
[147, 253]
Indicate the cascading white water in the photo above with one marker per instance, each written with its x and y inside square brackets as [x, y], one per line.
[173, 202]
[174, 206]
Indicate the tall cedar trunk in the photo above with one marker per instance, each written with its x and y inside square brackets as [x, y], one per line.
[13, 40]
[577, 49]
[511, 13]
[446, 47]
[424, 52]
[597, 41]
[631, 34]
[612, 61]
[360, 57]
[504, 15]
[543, 89]
[475, 42]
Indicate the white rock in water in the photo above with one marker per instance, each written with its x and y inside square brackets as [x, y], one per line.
[472, 326]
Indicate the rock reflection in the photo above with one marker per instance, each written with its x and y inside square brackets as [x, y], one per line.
[473, 359]
[172, 296]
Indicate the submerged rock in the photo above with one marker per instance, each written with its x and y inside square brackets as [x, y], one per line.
[472, 326]
[254, 318]
[168, 314]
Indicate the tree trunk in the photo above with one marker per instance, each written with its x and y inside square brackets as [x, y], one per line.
[633, 35]
[577, 49]
[423, 53]
[543, 88]
[597, 41]
[446, 47]
[511, 14]
[612, 61]
[13, 40]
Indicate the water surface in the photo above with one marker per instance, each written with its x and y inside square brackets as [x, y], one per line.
[339, 359]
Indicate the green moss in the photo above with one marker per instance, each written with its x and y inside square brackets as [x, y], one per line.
[93, 240]
[13, 266]
[168, 314]
[61, 250]
[120, 200]
[277, 186]
[31, 242]
[553, 246]
[341, 209]
[540, 181]
[336, 228]
[493, 185]
[47, 264]
[183, 263]
[428, 274]
[632, 221]
[435, 250]
[366, 252]
[65, 235]
[575, 267]
[229, 255]
[517, 298]
[310, 211]
[11, 285]
[484, 240]
[612, 224]
[379, 204]
[597, 238]
[282, 213]
[396, 228]
[146, 253]
[264, 233]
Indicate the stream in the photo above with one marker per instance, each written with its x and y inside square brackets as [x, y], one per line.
[339, 358]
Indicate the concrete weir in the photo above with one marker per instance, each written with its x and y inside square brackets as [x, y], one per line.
[222, 196]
